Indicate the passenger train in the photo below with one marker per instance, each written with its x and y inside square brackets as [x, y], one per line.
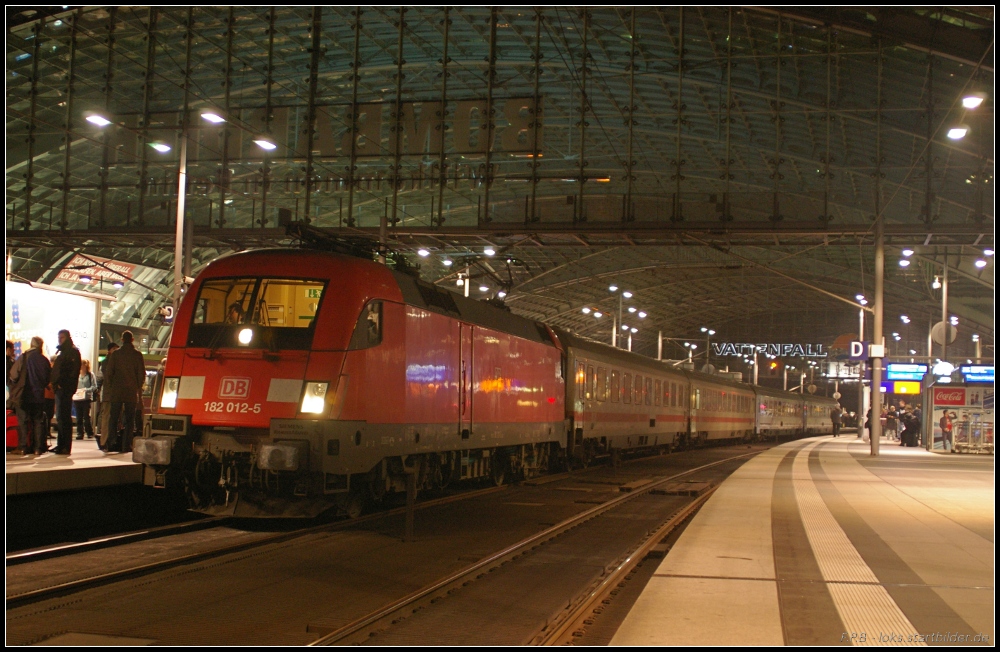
[298, 380]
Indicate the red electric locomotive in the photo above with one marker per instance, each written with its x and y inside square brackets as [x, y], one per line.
[297, 377]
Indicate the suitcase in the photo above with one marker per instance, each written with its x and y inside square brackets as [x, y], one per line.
[13, 431]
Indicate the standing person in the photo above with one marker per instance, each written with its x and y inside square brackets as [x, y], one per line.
[85, 388]
[911, 428]
[946, 424]
[29, 378]
[836, 416]
[891, 420]
[124, 376]
[103, 408]
[65, 378]
[10, 359]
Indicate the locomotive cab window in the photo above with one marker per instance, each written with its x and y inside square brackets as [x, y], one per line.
[256, 312]
[368, 329]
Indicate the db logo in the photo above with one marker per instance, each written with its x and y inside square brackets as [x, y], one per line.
[949, 397]
[234, 388]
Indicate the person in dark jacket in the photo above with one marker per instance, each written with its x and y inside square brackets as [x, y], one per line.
[10, 359]
[124, 376]
[103, 408]
[65, 378]
[836, 417]
[29, 377]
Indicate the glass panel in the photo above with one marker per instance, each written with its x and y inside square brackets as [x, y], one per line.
[281, 312]
[288, 303]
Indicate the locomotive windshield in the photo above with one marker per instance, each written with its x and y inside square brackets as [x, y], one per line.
[280, 312]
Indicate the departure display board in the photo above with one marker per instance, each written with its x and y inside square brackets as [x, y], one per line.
[905, 371]
[977, 373]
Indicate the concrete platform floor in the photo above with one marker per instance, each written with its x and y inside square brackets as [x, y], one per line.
[816, 542]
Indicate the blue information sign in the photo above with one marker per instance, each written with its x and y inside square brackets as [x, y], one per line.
[977, 373]
[905, 371]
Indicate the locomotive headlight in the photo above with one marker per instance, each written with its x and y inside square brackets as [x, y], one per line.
[245, 336]
[168, 399]
[314, 398]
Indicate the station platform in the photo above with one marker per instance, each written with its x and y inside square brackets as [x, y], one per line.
[815, 542]
[87, 467]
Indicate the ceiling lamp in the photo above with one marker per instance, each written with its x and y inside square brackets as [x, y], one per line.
[98, 120]
[973, 100]
[936, 284]
[903, 262]
[958, 133]
[423, 253]
[212, 117]
[265, 142]
[907, 252]
[489, 251]
[981, 263]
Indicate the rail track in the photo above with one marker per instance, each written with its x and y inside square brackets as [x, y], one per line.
[137, 570]
[555, 631]
[364, 598]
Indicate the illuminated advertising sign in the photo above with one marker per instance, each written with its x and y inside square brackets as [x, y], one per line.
[87, 266]
[32, 311]
[905, 371]
[782, 350]
[977, 373]
[949, 396]
[900, 387]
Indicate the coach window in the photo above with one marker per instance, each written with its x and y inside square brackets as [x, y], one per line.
[656, 393]
[368, 329]
[647, 394]
[591, 383]
[638, 389]
[627, 389]
[697, 399]
[615, 386]
[673, 395]
[602, 384]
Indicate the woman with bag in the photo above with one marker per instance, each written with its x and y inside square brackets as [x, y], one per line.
[81, 400]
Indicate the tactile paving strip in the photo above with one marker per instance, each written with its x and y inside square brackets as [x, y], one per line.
[862, 602]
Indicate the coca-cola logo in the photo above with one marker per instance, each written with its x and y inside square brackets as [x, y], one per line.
[949, 397]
